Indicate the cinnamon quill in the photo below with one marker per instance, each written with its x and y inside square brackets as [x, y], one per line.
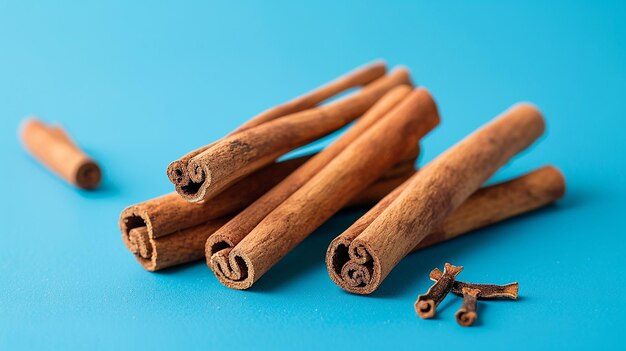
[205, 173]
[53, 147]
[358, 77]
[486, 206]
[367, 251]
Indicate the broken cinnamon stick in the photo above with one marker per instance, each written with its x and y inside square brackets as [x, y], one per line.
[168, 231]
[209, 172]
[366, 252]
[427, 303]
[52, 146]
[485, 291]
[466, 315]
[240, 260]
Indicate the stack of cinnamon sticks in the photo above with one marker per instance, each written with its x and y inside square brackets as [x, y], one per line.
[219, 180]
[242, 210]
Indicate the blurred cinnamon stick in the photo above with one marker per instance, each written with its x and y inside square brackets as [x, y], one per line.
[53, 147]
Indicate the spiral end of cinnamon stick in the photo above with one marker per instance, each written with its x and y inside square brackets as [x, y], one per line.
[191, 179]
[351, 266]
[231, 268]
[140, 242]
[135, 228]
[176, 173]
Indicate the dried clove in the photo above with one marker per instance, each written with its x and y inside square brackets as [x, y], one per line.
[466, 315]
[426, 304]
[486, 291]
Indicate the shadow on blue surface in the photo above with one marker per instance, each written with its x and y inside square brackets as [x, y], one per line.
[417, 266]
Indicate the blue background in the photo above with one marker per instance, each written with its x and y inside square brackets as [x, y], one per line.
[138, 85]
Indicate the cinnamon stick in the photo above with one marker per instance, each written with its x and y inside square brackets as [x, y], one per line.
[168, 231]
[392, 229]
[52, 146]
[466, 315]
[497, 202]
[209, 172]
[186, 245]
[427, 303]
[487, 206]
[241, 262]
[485, 291]
[358, 77]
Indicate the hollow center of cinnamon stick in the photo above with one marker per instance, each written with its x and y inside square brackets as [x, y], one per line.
[137, 236]
[340, 258]
[191, 188]
[219, 246]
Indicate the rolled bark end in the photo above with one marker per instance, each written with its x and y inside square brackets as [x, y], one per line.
[352, 266]
[356, 275]
[232, 269]
[140, 242]
[136, 229]
[198, 180]
[235, 156]
[176, 172]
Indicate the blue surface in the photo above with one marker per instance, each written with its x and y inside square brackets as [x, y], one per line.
[140, 84]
